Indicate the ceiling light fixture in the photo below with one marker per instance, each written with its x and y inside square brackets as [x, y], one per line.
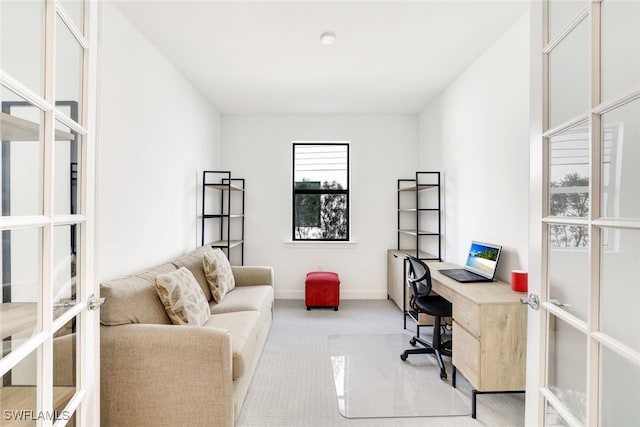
[328, 38]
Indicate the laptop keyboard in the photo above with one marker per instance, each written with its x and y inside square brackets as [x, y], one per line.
[461, 274]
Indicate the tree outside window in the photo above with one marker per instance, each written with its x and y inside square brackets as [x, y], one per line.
[570, 197]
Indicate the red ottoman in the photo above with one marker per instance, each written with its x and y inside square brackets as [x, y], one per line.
[322, 289]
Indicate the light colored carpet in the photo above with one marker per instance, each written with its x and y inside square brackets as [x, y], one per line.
[293, 384]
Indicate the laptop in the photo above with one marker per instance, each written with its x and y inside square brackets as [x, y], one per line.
[481, 265]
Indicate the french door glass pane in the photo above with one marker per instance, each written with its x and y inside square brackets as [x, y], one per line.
[620, 47]
[18, 393]
[567, 375]
[569, 173]
[22, 42]
[569, 76]
[21, 284]
[620, 160]
[65, 359]
[620, 286]
[619, 390]
[553, 418]
[69, 62]
[568, 268]
[66, 170]
[21, 130]
[561, 13]
[66, 241]
[75, 10]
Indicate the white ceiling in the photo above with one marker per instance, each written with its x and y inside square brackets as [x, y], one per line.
[266, 56]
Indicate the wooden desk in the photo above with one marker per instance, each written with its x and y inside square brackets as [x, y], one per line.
[489, 332]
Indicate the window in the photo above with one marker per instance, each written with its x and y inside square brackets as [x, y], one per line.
[569, 171]
[320, 191]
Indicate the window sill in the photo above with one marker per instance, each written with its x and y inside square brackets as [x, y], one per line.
[308, 244]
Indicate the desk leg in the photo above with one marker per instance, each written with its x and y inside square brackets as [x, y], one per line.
[453, 379]
[474, 396]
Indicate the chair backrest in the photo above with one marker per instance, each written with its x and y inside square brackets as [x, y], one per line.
[419, 277]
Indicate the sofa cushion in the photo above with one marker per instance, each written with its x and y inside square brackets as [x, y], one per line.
[252, 275]
[182, 297]
[193, 261]
[243, 298]
[244, 327]
[133, 299]
[218, 272]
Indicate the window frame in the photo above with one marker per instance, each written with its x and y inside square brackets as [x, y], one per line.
[310, 191]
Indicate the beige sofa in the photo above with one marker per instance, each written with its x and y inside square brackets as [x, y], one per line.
[154, 373]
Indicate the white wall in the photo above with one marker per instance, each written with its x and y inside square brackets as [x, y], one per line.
[156, 133]
[477, 133]
[258, 148]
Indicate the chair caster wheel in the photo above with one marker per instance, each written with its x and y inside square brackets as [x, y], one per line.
[403, 356]
[413, 342]
[308, 308]
[443, 376]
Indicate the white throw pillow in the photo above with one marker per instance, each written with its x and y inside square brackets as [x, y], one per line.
[218, 272]
[183, 298]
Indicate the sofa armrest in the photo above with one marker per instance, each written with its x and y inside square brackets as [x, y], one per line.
[252, 275]
[166, 375]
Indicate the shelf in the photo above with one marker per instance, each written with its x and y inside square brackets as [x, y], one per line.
[17, 317]
[226, 243]
[414, 210]
[418, 232]
[225, 187]
[420, 187]
[421, 254]
[420, 319]
[416, 220]
[227, 234]
[223, 216]
[14, 128]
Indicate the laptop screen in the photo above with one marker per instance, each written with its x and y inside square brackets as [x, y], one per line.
[483, 259]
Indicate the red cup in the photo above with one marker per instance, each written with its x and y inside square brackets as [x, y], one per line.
[519, 281]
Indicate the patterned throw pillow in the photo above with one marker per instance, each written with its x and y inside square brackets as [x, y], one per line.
[183, 298]
[217, 270]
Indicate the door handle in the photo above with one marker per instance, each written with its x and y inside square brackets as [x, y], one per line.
[533, 301]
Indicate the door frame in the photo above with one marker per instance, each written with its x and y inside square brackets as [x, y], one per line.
[536, 336]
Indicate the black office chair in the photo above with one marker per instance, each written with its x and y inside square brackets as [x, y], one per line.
[434, 305]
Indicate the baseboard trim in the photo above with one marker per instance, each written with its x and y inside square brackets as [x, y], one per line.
[344, 295]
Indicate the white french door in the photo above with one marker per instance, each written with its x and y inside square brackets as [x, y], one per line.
[583, 366]
[50, 340]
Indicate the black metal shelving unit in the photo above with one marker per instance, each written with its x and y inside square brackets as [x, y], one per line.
[423, 214]
[227, 212]
[419, 217]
